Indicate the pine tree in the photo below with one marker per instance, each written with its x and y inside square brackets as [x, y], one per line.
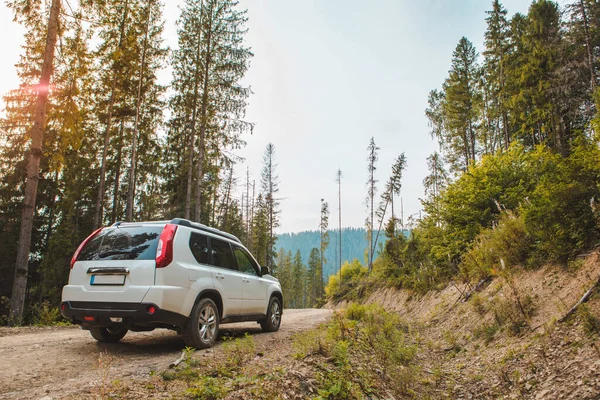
[313, 284]
[338, 180]
[144, 149]
[537, 42]
[371, 192]
[460, 105]
[434, 184]
[260, 232]
[284, 274]
[209, 103]
[324, 243]
[270, 188]
[393, 186]
[297, 298]
[494, 71]
[35, 152]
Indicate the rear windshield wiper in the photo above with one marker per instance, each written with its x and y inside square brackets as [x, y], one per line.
[109, 253]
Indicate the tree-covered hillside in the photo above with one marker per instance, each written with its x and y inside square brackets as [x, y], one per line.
[354, 245]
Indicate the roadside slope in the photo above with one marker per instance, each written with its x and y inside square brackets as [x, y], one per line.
[487, 347]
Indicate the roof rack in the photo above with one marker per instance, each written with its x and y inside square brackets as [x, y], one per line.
[201, 227]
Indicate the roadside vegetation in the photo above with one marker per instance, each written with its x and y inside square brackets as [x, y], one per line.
[517, 182]
[362, 352]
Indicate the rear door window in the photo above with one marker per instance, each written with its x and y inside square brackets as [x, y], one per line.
[221, 254]
[244, 261]
[123, 243]
[199, 248]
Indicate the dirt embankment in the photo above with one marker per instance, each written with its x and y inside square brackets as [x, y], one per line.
[486, 348]
[62, 363]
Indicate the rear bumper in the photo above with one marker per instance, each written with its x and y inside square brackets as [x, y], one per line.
[133, 315]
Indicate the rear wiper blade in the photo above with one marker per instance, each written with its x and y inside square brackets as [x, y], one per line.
[113, 252]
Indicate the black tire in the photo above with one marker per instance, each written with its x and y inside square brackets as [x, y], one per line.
[108, 335]
[273, 321]
[203, 327]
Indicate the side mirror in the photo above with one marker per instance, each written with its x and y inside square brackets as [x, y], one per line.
[264, 271]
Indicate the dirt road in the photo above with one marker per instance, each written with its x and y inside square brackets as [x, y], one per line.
[54, 363]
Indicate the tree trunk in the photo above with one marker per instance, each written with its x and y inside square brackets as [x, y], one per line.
[192, 141]
[17, 301]
[588, 46]
[203, 119]
[372, 219]
[340, 219]
[247, 201]
[227, 196]
[115, 208]
[134, 144]
[100, 196]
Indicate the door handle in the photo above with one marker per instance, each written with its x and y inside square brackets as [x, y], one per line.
[246, 280]
[220, 276]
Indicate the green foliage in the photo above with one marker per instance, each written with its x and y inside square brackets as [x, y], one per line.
[239, 351]
[591, 323]
[354, 349]
[517, 208]
[46, 314]
[560, 215]
[207, 388]
[487, 332]
[513, 313]
[348, 286]
[508, 240]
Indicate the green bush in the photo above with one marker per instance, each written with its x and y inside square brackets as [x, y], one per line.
[348, 288]
[514, 313]
[508, 240]
[45, 314]
[354, 349]
[591, 323]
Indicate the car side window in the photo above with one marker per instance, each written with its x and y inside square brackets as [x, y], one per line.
[221, 254]
[199, 248]
[245, 262]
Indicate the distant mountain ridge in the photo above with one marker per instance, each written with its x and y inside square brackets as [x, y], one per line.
[354, 245]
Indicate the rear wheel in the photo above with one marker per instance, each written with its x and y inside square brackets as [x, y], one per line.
[203, 327]
[273, 320]
[108, 335]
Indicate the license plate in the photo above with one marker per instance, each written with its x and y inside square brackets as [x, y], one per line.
[107, 280]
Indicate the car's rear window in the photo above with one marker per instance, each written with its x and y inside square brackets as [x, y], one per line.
[122, 243]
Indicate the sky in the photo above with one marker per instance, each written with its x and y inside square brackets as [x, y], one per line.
[326, 76]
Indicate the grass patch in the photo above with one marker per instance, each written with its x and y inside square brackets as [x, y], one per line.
[360, 353]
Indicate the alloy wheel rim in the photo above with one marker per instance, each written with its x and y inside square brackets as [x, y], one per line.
[275, 315]
[207, 324]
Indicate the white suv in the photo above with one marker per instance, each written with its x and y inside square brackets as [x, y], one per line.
[172, 274]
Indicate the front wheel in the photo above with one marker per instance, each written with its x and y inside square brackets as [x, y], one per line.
[108, 335]
[273, 320]
[203, 327]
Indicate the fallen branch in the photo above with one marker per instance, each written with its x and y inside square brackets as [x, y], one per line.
[178, 361]
[477, 288]
[585, 298]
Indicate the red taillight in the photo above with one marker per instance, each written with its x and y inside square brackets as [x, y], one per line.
[62, 307]
[82, 245]
[89, 319]
[164, 251]
[151, 310]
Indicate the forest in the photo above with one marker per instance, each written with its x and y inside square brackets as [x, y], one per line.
[90, 137]
[354, 244]
[516, 182]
